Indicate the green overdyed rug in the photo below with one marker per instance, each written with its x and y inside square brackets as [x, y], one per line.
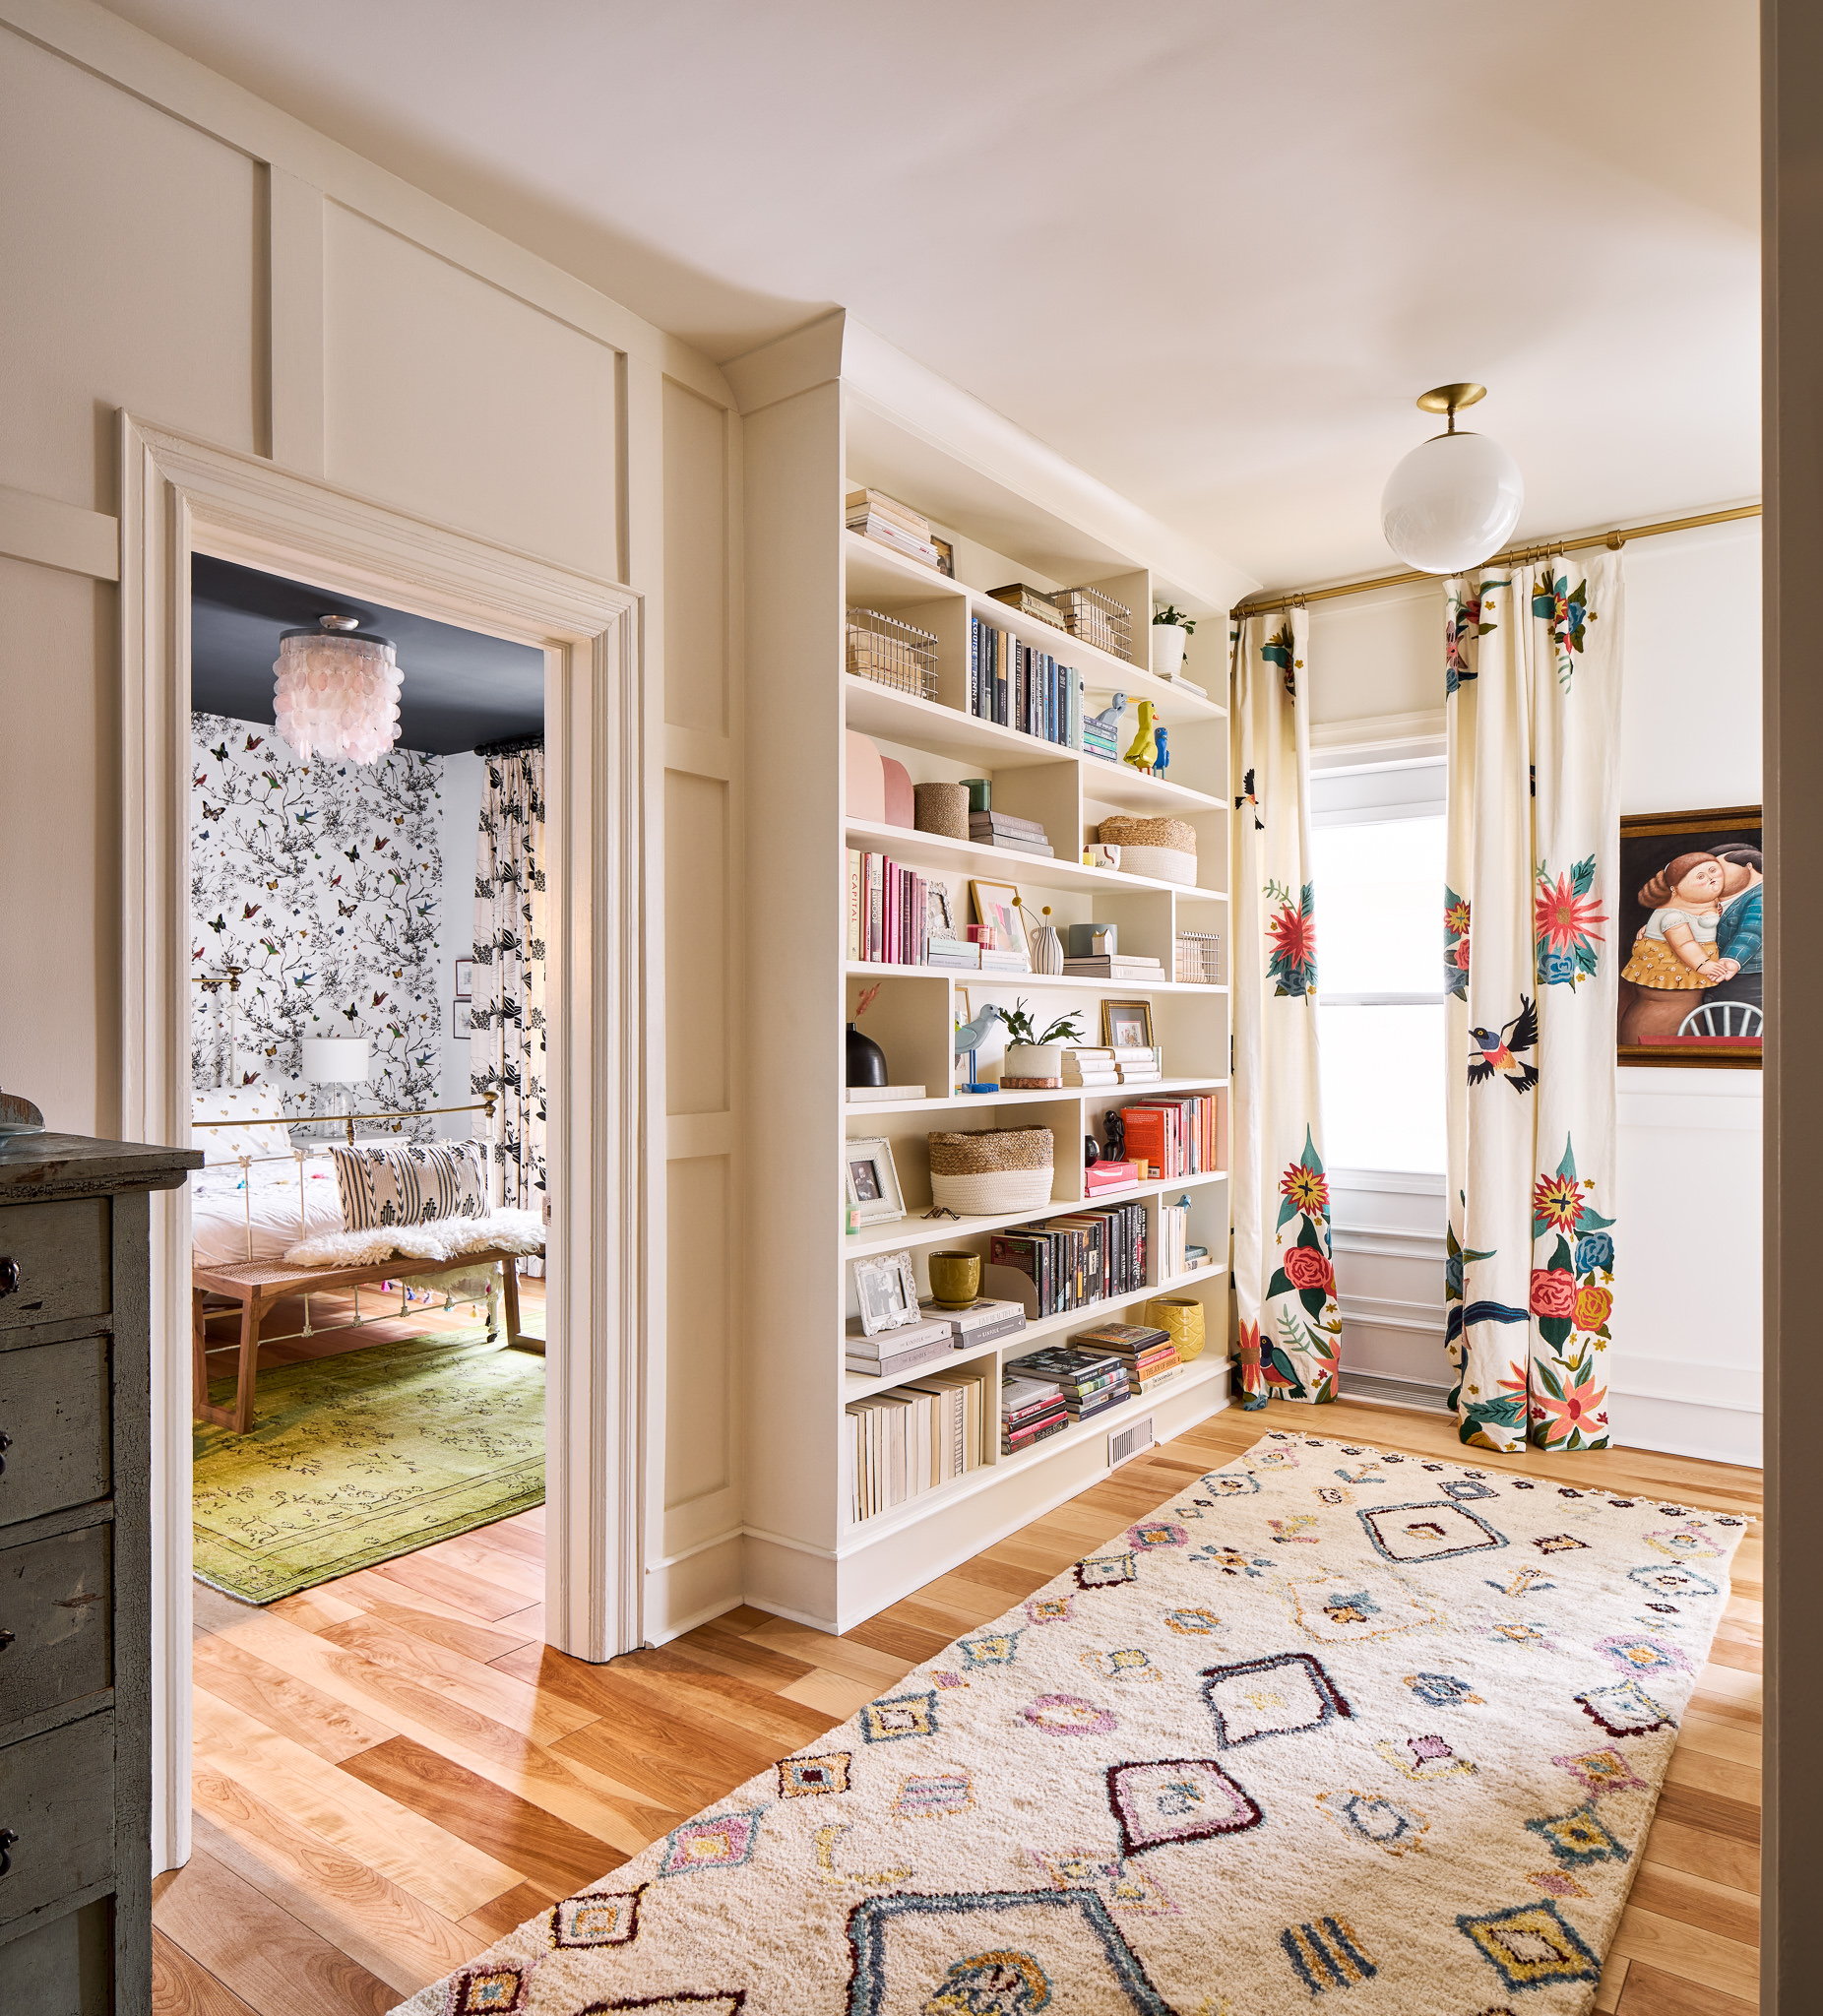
[359, 1458]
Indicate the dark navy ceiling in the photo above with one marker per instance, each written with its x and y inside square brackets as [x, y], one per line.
[458, 689]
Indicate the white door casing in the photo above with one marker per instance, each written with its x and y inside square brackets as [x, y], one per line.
[181, 497]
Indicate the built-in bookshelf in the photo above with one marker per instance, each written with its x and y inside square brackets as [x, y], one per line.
[807, 450]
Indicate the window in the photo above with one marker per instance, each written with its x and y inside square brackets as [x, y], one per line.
[1379, 901]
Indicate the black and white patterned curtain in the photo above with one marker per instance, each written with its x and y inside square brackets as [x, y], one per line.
[507, 1010]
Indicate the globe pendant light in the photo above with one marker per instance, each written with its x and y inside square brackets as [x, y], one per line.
[1453, 502]
[337, 691]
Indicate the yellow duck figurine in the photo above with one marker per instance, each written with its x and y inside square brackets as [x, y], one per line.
[1145, 750]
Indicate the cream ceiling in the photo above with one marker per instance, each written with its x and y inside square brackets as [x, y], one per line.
[1209, 251]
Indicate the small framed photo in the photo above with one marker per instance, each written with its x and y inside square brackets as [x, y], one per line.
[1127, 1025]
[872, 1183]
[997, 906]
[464, 979]
[886, 1287]
[939, 919]
[461, 1013]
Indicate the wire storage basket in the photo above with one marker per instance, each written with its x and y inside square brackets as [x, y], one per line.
[1097, 619]
[891, 653]
[1199, 958]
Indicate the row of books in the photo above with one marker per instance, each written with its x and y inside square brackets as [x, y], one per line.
[1110, 1064]
[913, 1438]
[890, 909]
[890, 1353]
[1069, 1261]
[1022, 687]
[876, 516]
[1174, 1137]
[1174, 1240]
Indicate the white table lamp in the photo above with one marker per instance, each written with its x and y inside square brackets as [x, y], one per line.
[336, 1061]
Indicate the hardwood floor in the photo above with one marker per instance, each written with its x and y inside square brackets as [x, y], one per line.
[355, 1742]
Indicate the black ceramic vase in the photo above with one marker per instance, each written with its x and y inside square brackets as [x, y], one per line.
[866, 1059]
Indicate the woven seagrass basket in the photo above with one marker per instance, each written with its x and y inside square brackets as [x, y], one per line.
[1005, 1169]
[1163, 848]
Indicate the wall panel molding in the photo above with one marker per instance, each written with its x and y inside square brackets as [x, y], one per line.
[51, 533]
[299, 333]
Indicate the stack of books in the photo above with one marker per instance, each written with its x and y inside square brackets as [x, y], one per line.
[1148, 1353]
[979, 1323]
[876, 516]
[1175, 1137]
[1138, 1066]
[1103, 1176]
[1092, 1381]
[1100, 738]
[914, 1440]
[1005, 959]
[1089, 1064]
[1022, 687]
[1001, 829]
[1115, 966]
[953, 952]
[893, 1352]
[883, 1094]
[1070, 1261]
[1031, 1411]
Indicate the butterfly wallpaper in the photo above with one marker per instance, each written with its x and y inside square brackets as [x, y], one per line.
[325, 883]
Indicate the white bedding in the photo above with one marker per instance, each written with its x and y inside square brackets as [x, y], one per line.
[221, 1198]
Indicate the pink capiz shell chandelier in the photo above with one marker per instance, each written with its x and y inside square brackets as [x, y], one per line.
[336, 696]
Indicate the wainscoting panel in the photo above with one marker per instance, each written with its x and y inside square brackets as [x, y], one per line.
[1389, 1247]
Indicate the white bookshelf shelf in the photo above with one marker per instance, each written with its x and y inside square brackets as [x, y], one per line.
[918, 1231]
[978, 1102]
[971, 976]
[926, 850]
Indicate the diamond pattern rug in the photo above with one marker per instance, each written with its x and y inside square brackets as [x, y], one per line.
[1337, 1725]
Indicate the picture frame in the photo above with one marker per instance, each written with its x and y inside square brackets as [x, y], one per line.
[1127, 1025]
[939, 918]
[997, 905]
[464, 979]
[886, 1288]
[1671, 1011]
[871, 1181]
[462, 1024]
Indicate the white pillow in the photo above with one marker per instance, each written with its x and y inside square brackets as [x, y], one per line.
[249, 1102]
[411, 1184]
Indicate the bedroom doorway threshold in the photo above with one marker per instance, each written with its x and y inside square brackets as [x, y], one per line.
[179, 498]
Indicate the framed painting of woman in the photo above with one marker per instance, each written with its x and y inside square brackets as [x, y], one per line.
[1692, 900]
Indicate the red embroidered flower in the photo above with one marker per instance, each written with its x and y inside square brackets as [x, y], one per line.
[1557, 1201]
[1307, 1189]
[1594, 1306]
[1305, 1267]
[1293, 936]
[1554, 1291]
[1461, 953]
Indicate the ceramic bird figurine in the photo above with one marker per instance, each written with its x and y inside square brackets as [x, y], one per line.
[1164, 755]
[1110, 717]
[1145, 750]
[970, 1035]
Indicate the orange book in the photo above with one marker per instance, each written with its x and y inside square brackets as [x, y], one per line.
[1146, 1136]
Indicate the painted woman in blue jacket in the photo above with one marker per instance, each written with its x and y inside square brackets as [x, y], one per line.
[1739, 934]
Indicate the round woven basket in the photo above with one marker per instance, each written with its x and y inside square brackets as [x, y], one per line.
[941, 809]
[1177, 834]
[1005, 1169]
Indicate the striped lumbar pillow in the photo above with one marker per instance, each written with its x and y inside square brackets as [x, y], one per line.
[410, 1184]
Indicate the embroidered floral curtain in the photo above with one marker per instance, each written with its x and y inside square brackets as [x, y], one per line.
[507, 1010]
[1533, 697]
[1284, 1281]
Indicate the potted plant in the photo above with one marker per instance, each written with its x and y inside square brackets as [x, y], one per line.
[1034, 1062]
[1171, 631]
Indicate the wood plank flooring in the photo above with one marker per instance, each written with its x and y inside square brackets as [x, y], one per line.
[357, 1744]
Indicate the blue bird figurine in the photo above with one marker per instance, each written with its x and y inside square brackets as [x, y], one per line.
[1162, 763]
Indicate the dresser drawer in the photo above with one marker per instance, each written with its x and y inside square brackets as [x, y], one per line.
[64, 1967]
[57, 1800]
[57, 1621]
[54, 1427]
[56, 1262]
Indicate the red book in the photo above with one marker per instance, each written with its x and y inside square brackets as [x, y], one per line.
[1148, 1136]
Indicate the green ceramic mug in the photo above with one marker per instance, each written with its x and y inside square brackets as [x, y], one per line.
[955, 1279]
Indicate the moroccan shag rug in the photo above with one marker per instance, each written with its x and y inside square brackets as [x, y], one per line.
[370, 1454]
[1336, 1725]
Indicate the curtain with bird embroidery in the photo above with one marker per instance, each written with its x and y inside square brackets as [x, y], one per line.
[1532, 699]
[1284, 1279]
[507, 1011]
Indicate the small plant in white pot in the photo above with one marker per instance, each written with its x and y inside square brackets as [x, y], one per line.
[1171, 630]
[1034, 1062]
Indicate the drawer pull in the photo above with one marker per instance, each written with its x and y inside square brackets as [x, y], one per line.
[6, 1442]
[6, 1639]
[9, 1277]
[7, 1841]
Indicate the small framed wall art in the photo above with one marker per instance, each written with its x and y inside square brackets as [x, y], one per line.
[461, 1013]
[997, 905]
[872, 1183]
[886, 1288]
[464, 979]
[1127, 1025]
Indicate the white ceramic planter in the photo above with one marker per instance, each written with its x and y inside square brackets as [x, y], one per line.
[1168, 650]
[1033, 1060]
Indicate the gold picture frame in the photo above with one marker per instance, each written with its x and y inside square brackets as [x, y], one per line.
[1111, 1014]
[998, 905]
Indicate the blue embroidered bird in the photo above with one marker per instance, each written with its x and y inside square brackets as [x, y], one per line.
[1497, 1051]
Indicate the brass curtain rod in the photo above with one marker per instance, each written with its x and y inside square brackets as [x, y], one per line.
[1514, 556]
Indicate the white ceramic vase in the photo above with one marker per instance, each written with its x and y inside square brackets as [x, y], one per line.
[1168, 650]
[1047, 950]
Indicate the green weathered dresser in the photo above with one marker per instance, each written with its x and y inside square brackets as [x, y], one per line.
[76, 1573]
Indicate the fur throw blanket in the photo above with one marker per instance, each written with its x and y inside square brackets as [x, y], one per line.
[441, 1240]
